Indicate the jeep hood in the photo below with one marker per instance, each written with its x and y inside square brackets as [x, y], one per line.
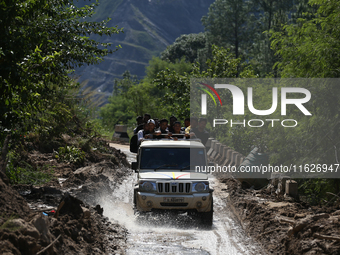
[168, 175]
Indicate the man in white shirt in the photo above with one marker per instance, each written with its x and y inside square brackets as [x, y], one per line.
[147, 132]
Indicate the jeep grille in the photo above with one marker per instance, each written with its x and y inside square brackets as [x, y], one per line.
[173, 187]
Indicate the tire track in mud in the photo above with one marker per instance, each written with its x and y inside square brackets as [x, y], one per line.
[177, 234]
[230, 228]
[218, 242]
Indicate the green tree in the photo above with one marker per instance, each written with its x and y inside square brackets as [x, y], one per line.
[271, 15]
[131, 98]
[310, 48]
[157, 64]
[187, 46]
[115, 112]
[121, 86]
[229, 23]
[177, 85]
[42, 40]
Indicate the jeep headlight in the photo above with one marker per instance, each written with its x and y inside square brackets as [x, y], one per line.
[200, 187]
[147, 186]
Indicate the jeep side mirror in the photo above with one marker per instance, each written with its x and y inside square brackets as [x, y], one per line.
[134, 165]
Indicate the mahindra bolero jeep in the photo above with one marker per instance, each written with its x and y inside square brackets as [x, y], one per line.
[167, 178]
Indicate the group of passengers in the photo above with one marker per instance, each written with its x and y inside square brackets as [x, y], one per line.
[148, 128]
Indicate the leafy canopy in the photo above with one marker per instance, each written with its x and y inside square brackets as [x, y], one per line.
[310, 48]
[41, 42]
[177, 85]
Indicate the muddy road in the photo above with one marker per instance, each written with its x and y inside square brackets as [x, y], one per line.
[177, 234]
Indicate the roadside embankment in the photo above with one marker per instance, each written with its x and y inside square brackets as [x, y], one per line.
[63, 216]
[283, 225]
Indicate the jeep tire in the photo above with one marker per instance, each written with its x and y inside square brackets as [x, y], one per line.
[207, 217]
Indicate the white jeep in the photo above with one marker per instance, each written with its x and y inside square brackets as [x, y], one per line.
[167, 179]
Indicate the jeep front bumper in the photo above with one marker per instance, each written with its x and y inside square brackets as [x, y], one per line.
[196, 201]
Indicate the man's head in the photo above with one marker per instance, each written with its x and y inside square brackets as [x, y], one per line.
[202, 123]
[139, 120]
[172, 120]
[156, 122]
[146, 127]
[177, 127]
[193, 122]
[151, 124]
[163, 124]
[146, 117]
[187, 122]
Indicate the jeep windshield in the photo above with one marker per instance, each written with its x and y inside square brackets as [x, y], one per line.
[183, 159]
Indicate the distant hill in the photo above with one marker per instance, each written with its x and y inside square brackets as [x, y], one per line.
[149, 26]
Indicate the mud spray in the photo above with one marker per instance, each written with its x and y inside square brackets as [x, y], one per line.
[169, 233]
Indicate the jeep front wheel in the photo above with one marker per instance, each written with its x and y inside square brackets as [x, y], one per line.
[207, 217]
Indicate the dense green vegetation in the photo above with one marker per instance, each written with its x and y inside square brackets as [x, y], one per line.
[279, 39]
[45, 39]
[41, 42]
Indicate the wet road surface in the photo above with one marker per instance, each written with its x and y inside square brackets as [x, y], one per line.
[177, 233]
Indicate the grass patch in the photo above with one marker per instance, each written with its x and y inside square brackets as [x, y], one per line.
[20, 172]
[72, 154]
[9, 224]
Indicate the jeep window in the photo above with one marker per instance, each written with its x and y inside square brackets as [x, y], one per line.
[172, 158]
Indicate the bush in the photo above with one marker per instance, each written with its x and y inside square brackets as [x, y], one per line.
[23, 173]
[71, 154]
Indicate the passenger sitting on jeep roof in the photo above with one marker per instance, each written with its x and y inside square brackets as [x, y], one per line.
[147, 132]
[156, 123]
[186, 124]
[151, 127]
[193, 124]
[163, 131]
[163, 126]
[146, 117]
[177, 130]
[200, 131]
[141, 133]
[140, 124]
[172, 120]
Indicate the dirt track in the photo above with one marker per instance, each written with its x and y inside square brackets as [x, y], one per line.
[246, 221]
[178, 234]
[243, 218]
